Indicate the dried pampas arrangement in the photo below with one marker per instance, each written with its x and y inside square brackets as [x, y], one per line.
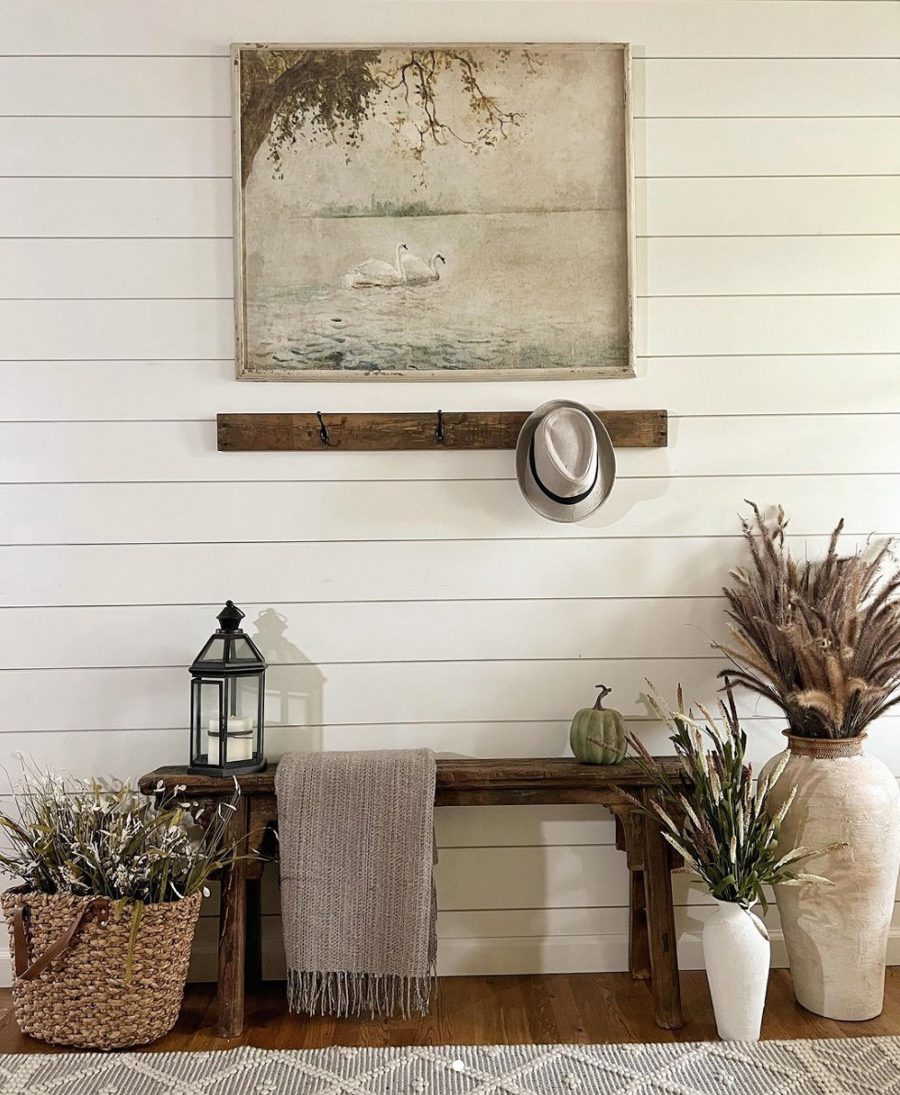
[819, 639]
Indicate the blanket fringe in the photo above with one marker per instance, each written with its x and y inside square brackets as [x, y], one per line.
[350, 994]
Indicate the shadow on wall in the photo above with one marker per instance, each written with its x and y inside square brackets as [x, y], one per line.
[295, 689]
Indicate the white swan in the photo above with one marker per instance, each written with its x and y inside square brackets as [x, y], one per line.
[418, 272]
[375, 273]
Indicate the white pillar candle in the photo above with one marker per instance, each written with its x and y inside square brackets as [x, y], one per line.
[235, 725]
[240, 738]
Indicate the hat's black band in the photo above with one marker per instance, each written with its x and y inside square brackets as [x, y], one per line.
[571, 501]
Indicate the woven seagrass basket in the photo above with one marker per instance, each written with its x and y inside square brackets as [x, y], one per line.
[70, 957]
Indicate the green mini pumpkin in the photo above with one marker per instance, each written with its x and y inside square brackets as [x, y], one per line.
[598, 733]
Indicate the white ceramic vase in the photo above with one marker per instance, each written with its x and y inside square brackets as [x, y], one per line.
[836, 936]
[736, 955]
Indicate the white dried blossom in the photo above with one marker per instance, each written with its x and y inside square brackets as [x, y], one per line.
[782, 810]
[87, 837]
[665, 817]
[777, 771]
[715, 785]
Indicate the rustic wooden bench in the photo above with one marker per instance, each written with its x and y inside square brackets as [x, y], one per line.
[463, 782]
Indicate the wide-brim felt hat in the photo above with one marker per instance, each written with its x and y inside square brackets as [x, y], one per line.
[565, 461]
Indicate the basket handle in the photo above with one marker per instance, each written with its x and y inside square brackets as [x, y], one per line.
[24, 972]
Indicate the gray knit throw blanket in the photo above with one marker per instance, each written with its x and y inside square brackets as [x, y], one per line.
[356, 833]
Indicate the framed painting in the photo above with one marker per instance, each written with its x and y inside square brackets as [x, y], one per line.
[446, 212]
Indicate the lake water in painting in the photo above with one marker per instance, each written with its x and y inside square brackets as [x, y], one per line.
[518, 290]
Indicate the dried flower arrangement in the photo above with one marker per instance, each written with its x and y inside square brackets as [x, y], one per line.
[728, 835]
[88, 838]
[101, 930]
[821, 640]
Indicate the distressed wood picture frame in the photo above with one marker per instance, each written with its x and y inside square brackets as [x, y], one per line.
[448, 212]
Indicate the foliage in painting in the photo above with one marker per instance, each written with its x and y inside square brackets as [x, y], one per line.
[332, 92]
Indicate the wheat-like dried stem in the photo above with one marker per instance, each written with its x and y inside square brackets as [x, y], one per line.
[723, 830]
[821, 639]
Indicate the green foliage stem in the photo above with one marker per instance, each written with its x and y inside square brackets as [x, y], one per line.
[721, 825]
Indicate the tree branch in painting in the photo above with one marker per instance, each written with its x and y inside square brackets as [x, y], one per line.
[332, 92]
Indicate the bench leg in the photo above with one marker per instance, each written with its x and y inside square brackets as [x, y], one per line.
[638, 936]
[661, 924]
[253, 975]
[233, 935]
[630, 839]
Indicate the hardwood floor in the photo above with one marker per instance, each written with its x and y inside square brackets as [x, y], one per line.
[482, 1010]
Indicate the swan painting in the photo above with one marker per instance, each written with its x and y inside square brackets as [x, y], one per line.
[373, 273]
[420, 273]
[498, 165]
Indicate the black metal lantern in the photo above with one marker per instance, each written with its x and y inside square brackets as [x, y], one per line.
[227, 699]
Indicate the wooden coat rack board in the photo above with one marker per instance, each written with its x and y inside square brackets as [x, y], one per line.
[437, 430]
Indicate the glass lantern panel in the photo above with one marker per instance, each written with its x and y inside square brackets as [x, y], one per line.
[214, 651]
[242, 651]
[248, 699]
[196, 735]
[243, 718]
[210, 711]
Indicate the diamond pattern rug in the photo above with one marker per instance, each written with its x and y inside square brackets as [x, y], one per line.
[856, 1066]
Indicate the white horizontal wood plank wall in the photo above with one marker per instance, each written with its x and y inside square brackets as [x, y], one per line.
[416, 599]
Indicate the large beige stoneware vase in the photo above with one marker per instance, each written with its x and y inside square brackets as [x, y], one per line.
[837, 936]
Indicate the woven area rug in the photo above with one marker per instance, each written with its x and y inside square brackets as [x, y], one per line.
[840, 1067]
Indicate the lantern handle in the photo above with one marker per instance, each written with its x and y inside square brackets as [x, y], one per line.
[323, 429]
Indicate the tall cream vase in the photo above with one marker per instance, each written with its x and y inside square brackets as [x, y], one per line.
[837, 936]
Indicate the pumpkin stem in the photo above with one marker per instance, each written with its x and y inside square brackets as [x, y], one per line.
[604, 692]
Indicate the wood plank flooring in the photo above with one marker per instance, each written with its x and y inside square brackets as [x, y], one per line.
[581, 1008]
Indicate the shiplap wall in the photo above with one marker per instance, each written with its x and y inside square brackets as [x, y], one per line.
[421, 601]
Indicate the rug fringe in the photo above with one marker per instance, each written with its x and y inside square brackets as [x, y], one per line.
[350, 994]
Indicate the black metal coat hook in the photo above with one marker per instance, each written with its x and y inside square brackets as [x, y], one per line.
[323, 431]
[439, 429]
